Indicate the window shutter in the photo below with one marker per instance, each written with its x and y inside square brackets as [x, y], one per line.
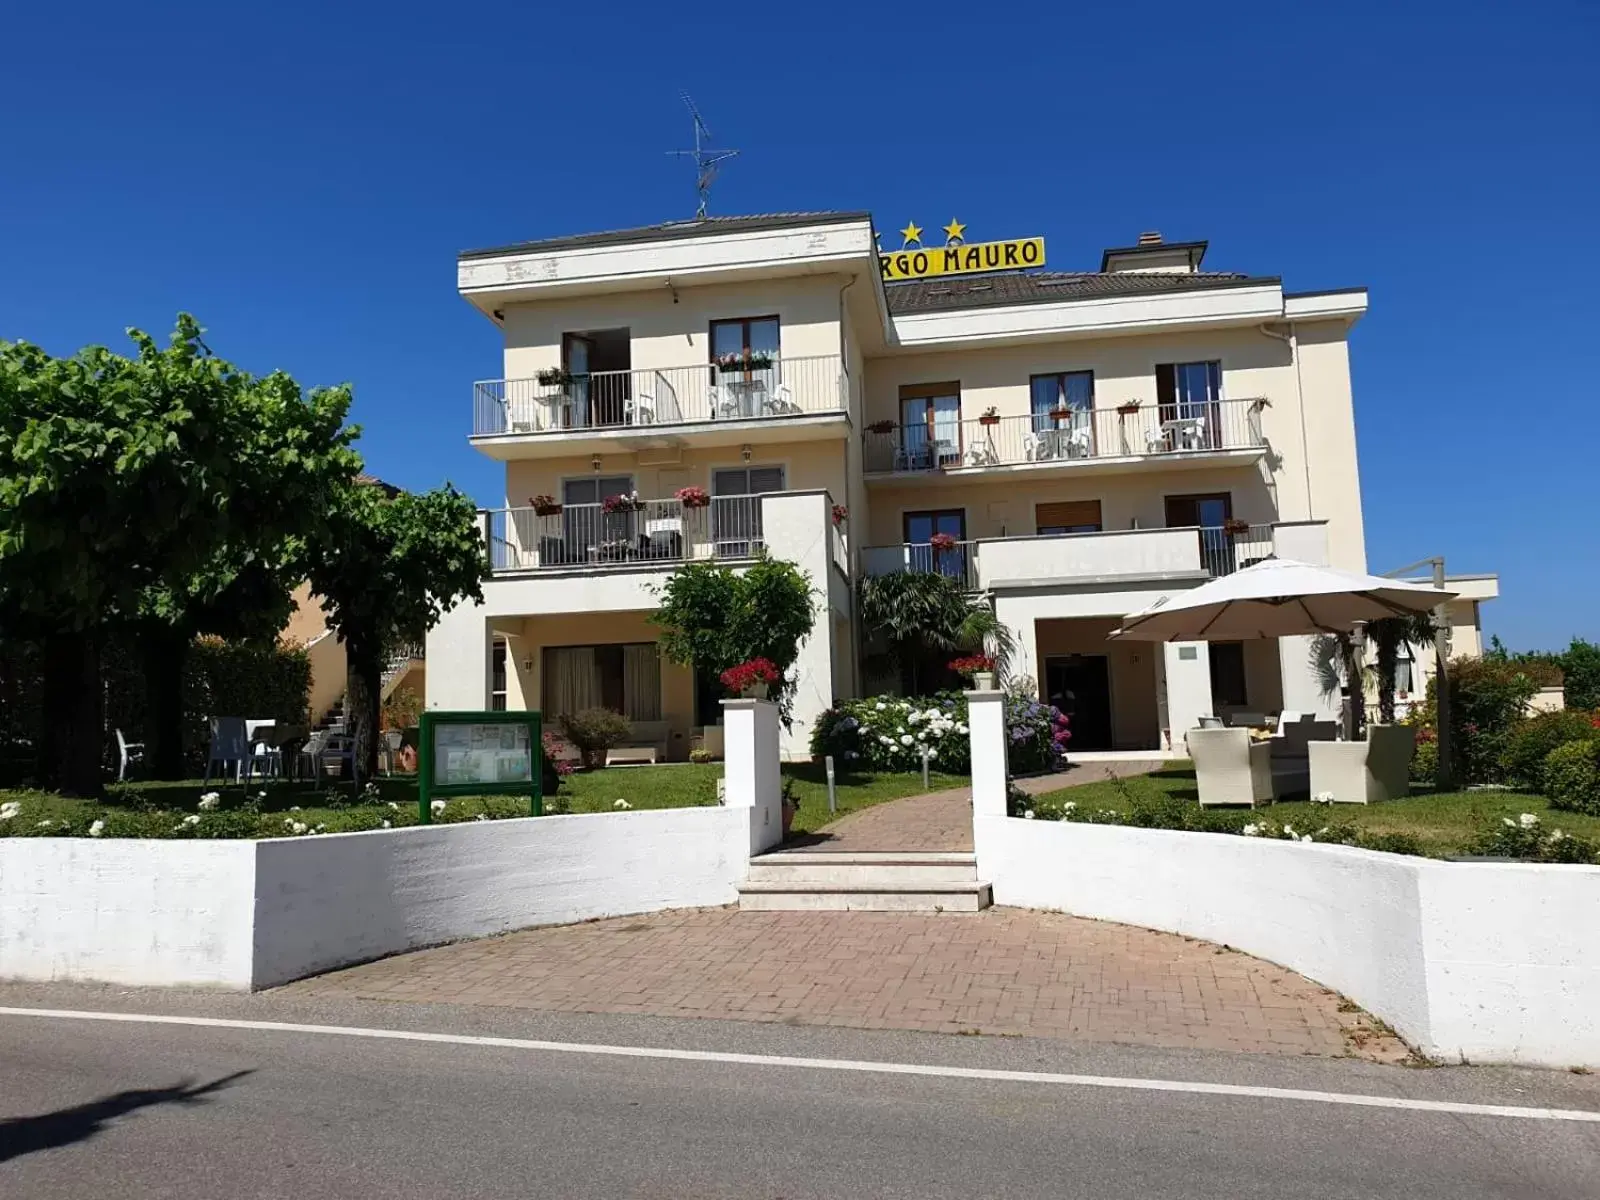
[1068, 513]
[765, 479]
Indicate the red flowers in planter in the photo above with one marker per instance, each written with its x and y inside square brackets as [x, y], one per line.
[942, 541]
[625, 502]
[747, 674]
[972, 664]
[693, 497]
[841, 514]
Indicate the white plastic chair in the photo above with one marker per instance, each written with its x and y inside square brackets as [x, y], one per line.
[722, 406]
[641, 410]
[781, 402]
[127, 752]
[1078, 443]
[1030, 447]
[1155, 440]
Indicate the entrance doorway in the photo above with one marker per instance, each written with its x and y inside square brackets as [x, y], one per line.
[1080, 686]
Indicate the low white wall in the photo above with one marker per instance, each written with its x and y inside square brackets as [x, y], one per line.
[326, 901]
[142, 913]
[1482, 961]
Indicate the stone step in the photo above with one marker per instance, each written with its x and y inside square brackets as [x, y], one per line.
[864, 870]
[969, 896]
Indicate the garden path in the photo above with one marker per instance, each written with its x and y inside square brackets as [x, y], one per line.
[938, 821]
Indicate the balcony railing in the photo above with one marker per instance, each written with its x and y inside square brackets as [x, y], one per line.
[976, 564]
[958, 562]
[622, 400]
[1188, 428]
[658, 531]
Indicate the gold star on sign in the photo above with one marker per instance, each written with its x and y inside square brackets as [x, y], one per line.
[912, 233]
[953, 232]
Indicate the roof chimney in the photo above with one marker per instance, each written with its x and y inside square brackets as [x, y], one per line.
[1155, 256]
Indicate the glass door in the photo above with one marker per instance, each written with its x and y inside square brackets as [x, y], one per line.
[588, 532]
[930, 430]
[577, 353]
[921, 552]
[1210, 512]
[1190, 396]
[751, 345]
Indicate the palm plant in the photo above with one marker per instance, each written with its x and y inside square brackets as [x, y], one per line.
[1387, 636]
[921, 618]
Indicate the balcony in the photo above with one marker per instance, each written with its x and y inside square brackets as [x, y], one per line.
[785, 401]
[657, 533]
[1193, 553]
[1076, 439]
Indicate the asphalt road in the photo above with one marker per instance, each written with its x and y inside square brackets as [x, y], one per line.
[130, 1110]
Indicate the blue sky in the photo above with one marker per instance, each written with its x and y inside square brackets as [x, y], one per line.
[301, 176]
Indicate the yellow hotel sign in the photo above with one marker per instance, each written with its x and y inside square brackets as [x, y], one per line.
[918, 263]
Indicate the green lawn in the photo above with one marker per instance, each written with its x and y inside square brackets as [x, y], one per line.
[1442, 821]
[149, 809]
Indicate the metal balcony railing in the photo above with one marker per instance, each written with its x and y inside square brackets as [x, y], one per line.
[787, 387]
[656, 531]
[958, 562]
[1224, 549]
[1158, 429]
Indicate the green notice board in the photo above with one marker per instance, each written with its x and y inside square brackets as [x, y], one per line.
[480, 754]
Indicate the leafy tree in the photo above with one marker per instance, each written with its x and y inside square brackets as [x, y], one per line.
[389, 566]
[921, 618]
[123, 478]
[712, 618]
[1387, 636]
[1581, 665]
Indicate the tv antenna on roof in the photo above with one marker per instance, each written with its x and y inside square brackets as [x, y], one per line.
[706, 160]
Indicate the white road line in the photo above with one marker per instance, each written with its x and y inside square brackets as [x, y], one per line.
[865, 1066]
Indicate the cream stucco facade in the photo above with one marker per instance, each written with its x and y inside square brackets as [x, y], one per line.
[1206, 421]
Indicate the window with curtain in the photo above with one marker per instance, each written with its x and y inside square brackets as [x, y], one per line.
[625, 678]
[1064, 389]
[930, 424]
[1191, 390]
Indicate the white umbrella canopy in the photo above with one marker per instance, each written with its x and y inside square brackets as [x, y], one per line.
[1277, 597]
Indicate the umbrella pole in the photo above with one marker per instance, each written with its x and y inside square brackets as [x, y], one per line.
[1445, 775]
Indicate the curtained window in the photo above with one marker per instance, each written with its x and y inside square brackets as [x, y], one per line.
[624, 678]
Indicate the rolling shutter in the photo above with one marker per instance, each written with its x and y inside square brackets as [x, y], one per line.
[1068, 514]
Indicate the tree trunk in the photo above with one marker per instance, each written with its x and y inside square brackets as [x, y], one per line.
[1353, 685]
[363, 683]
[164, 651]
[74, 732]
[1388, 658]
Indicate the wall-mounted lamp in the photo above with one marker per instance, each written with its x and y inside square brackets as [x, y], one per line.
[527, 661]
[744, 452]
[594, 462]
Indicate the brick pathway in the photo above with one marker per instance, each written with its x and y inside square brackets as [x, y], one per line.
[943, 820]
[1003, 971]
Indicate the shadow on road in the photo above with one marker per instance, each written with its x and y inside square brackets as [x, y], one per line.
[25, 1135]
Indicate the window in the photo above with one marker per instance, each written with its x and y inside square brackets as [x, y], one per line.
[1068, 516]
[1227, 675]
[1210, 511]
[921, 555]
[623, 677]
[759, 335]
[736, 507]
[1191, 393]
[1067, 389]
[497, 676]
[930, 425]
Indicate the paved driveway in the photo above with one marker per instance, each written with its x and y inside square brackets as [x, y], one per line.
[1002, 971]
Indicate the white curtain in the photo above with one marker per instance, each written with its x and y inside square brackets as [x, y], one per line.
[641, 682]
[572, 680]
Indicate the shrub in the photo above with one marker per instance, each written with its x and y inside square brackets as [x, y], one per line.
[887, 733]
[1425, 759]
[1581, 666]
[1488, 697]
[1525, 837]
[594, 731]
[1571, 776]
[1532, 740]
[402, 710]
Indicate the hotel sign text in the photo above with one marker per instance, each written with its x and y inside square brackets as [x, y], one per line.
[918, 263]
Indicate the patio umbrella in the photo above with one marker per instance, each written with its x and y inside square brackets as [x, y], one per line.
[1277, 597]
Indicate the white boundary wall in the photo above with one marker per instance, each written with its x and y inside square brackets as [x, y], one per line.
[1490, 962]
[242, 914]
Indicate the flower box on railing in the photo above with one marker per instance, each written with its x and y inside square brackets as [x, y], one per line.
[841, 514]
[554, 377]
[1235, 526]
[942, 541]
[625, 502]
[693, 497]
[545, 506]
[989, 417]
[746, 361]
[1129, 408]
[881, 427]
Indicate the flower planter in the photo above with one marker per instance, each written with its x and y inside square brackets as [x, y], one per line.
[983, 681]
[1059, 415]
[990, 422]
[1127, 410]
[788, 818]
[756, 691]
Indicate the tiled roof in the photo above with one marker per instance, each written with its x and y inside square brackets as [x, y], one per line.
[676, 229]
[1048, 287]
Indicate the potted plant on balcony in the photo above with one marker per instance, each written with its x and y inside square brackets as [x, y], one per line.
[1061, 414]
[622, 502]
[751, 680]
[744, 360]
[558, 377]
[693, 497]
[979, 668]
[1128, 408]
[881, 427]
[990, 417]
[841, 514]
[1235, 526]
[942, 541]
[545, 506]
